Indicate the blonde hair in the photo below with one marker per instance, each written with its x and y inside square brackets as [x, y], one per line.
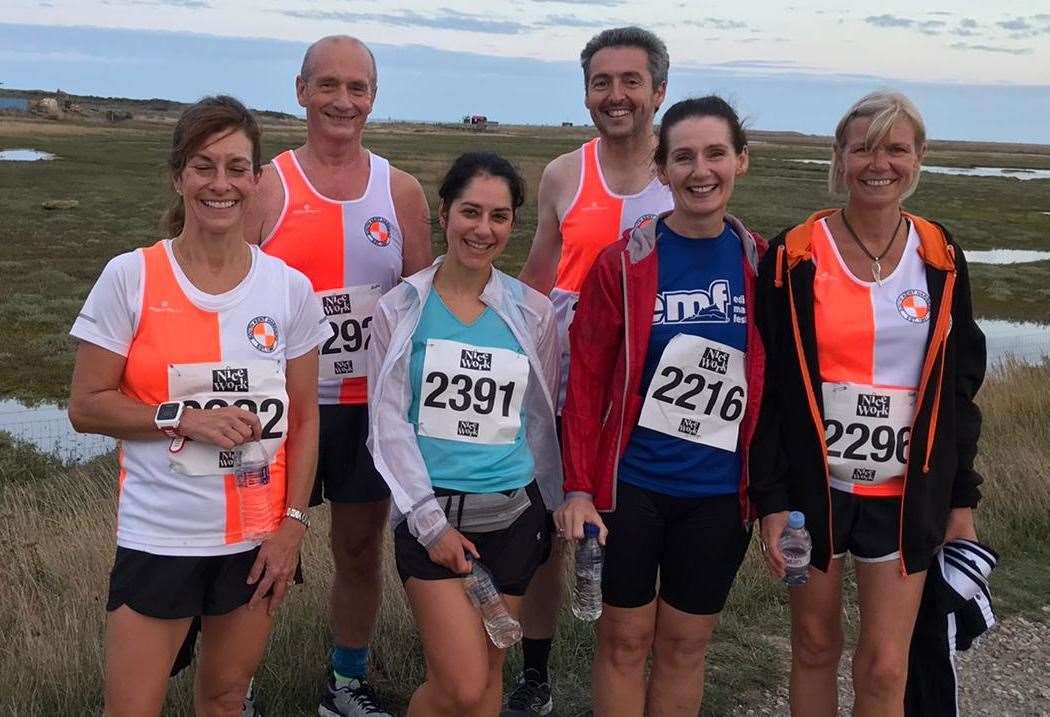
[884, 108]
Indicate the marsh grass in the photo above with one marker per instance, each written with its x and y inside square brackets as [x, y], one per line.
[56, 545]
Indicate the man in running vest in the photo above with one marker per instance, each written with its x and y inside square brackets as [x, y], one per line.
[354, 225]
[589, 198]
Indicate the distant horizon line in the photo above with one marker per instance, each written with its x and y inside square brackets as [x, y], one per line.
[5, 90]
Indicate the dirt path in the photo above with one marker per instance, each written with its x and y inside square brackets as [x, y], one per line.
[1006, 674]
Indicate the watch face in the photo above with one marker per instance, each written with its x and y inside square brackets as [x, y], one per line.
[167, 411]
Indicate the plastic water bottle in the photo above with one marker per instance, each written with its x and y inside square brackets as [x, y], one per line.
[503, 629]
[252, 476]
[587, 592]
[795, 544]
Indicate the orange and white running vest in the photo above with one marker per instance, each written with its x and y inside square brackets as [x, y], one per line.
[208, 351]
[871, 341]
[595, 219]
[352, 253]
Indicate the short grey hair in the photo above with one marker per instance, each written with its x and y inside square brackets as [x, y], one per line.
[884, 108]
[307, 67]
[659, 60]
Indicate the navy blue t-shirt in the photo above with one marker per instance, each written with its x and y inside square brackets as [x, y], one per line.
[701, 293]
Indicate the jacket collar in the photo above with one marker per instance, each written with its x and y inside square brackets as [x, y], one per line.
[933, 241]
[494, 293]
[643, 239]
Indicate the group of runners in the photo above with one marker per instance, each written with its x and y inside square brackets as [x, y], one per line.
[656, 370]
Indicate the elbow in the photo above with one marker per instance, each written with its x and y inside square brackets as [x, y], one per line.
[78, 416]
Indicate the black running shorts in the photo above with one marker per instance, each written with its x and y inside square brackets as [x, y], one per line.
[512, 555]
[345, 472]
[694, 545]
[175, 586]
[866, 526]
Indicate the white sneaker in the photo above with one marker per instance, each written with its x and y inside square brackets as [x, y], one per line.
[356, 699]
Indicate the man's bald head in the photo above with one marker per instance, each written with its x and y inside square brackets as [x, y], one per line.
[335, 41]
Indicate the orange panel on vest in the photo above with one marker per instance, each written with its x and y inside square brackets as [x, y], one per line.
[171, 330]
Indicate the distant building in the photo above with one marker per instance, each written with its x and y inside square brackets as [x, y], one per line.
[16, 104]
[566, 124]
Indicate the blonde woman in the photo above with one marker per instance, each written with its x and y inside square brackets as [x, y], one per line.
[868, 424]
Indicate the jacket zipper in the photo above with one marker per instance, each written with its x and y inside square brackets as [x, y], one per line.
[626, 379]
[811, 398]
[937, 351]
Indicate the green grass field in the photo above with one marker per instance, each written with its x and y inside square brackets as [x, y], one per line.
[56, 522]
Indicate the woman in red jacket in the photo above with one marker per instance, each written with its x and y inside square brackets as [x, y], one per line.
[660, 409]
[869, 425]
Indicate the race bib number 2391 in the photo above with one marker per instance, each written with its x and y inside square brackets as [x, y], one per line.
[472, 393]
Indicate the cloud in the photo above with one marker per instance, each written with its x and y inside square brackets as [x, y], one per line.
[711, 23]
[1018, 23]
[968, 22]
[192, 4]
[931, 27]
[888, 21]
[603, 3]
[445, 19]
[991, 48]
[569, 21]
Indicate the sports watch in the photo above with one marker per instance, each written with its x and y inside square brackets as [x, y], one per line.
[167, 418]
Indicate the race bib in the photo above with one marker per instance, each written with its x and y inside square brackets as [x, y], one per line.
[698, 392]
[472, 394]
[344, 354]
[868, 432]
[256, 385]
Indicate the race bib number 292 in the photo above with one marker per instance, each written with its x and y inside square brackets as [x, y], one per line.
[349, 311]
[472, 393]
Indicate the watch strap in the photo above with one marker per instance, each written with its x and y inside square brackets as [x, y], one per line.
[299, 515]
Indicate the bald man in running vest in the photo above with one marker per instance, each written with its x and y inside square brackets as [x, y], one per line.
[589, 198]
[354, 225]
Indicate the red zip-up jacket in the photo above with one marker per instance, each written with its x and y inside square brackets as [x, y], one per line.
[609, 338]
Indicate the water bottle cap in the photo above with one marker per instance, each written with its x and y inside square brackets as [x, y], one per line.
[796, 519]
[590, 530]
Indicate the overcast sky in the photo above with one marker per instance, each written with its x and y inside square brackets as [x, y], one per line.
[963, 57]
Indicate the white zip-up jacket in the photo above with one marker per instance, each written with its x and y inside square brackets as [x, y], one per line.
[391, 435]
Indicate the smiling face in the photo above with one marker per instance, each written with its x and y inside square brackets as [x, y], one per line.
[885, 172]
[701, 168]
[216, 182]
[620, 93]
[478, 222]
[337, 90]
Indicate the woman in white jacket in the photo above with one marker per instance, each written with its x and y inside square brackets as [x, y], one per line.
[462, 375]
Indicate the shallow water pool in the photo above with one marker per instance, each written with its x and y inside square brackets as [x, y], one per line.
[1006, 172]
[24, 155]
[1006, 256]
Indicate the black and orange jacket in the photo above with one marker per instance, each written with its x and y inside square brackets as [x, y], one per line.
[788, 459]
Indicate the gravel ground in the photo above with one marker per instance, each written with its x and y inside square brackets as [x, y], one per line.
[1006, 674]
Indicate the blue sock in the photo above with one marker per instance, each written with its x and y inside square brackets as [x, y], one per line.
[350, 662]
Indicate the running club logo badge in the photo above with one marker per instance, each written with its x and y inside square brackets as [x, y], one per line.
[378, 231]
[641, 222]
[262, 334]
[914, 305]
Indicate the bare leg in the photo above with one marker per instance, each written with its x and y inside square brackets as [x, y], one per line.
[464, 668]
[889, 603]
[676, 686]
[357, 588]
[232, 646]
[539, 609]
[625, 637]
[816, 643]
[139, 652]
